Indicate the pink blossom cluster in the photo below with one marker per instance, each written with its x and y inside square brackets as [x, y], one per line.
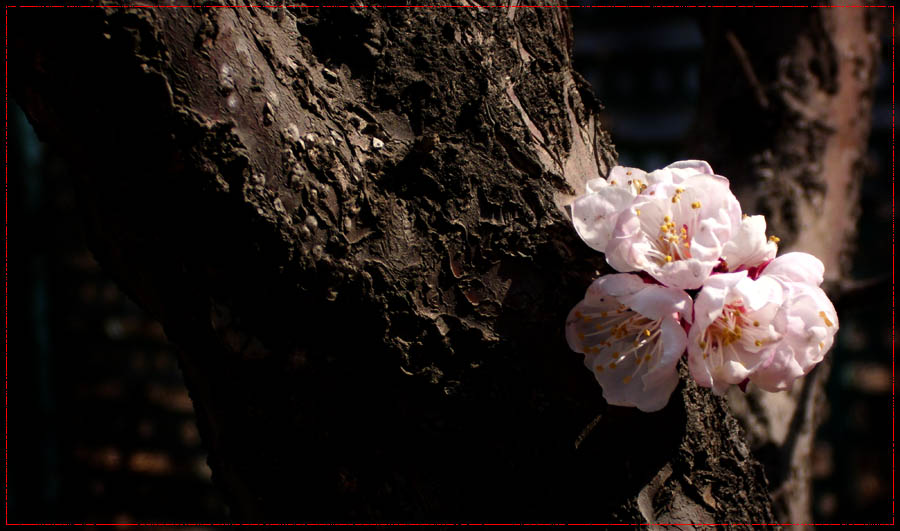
[672, 233]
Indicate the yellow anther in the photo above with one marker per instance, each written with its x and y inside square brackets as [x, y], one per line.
[705, 355]
[612, 182]
[668, 258]
[679, 190]
[702, 344]
[675, 199]
[667, 219]
[755, 323]
[821, 345]
[695, 204]
[826, 319]
[774, 239]
[647, 357]
[647, 332]
[744, 216]
[628, 172]
[637, 211]
[758, 343]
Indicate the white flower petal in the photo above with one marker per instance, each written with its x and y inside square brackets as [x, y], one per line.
[655, 397]
[749, 246]
[674, 342]
[616, 285]
[687, 274]
[758, 293]
[780, 373]
[687, 168]
[594, 215]
[796, 267]
[595, 185]
[657, 302]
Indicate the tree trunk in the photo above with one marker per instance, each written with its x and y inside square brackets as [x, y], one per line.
[798, 92]
[352, 221]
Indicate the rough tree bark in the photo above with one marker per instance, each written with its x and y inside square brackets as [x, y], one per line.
[798, 92]
[352, 222]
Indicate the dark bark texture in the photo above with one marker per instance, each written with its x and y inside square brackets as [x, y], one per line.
[786, 115]
[352, 223]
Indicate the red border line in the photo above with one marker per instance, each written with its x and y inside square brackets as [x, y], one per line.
[893, 283]
[805, 6]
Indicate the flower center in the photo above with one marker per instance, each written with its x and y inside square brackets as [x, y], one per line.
[620, 336]
[735, 325]
[673, 243]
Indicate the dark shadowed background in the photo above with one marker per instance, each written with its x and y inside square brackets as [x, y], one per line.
[101, 428]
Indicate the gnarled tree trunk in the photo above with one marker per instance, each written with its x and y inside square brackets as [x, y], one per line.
[352, 221]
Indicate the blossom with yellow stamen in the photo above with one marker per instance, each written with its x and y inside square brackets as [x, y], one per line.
[770, 330]
[634, 353]
[594, 214]
[724, 346]
[679, 236]
[808, 316]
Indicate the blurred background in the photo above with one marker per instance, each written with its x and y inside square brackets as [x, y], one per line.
[101, 427]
